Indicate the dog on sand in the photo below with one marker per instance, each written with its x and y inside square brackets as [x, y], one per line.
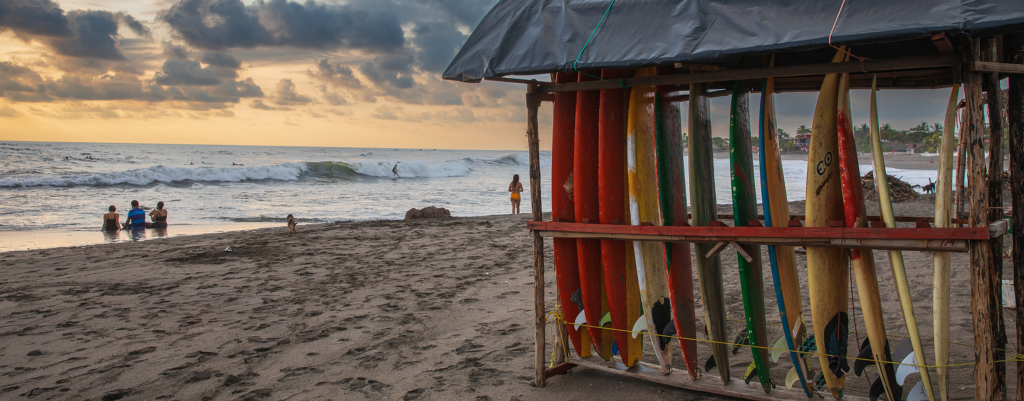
[291, 224]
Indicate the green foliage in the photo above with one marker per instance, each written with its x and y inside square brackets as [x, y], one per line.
[783, 134]
[720, 142]
[803, 130]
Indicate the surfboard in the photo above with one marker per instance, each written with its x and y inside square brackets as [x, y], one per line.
[899, 271]
[672, 188]
[827, 280]
[744, 208]
[703, 209]
[619, 271]
[943, 211]
[641, 162]
[863, 260]
[567, 272]
[585, 200]
[782, 258]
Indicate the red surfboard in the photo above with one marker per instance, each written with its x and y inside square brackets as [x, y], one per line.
[619, 275]
[585, 198]
[567, 273]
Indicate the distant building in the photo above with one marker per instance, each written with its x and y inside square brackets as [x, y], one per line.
[803, 141]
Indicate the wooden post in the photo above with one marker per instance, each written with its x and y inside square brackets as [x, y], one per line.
[961, 158]
[989, 378]
[533, 100]
[990, 83]
[1013, 48]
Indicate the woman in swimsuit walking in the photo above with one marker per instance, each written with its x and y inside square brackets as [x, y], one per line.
[110, 220]
[515, 188]
[159, 216]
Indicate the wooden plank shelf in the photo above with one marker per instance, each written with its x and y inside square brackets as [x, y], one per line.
[709, 384]
[914, 239]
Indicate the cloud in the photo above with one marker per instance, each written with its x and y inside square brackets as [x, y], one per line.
[21, 84]
[335, 74]
[95, 36]
[390, 70]
[386, 112]
[437, 44]
[8, 111]
[259, 105]
[226, 24]
[189, 72]
[332, 98]
[174, 51]
[34, 17]
[135, 26]
[285, 94]
[223, 60]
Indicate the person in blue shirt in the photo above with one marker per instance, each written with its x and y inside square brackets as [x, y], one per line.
[136, 217]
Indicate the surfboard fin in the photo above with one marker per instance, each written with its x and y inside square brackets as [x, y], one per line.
[639, 326]
[580, 319]
[877, 389]
[907, 367]
[741, 339]
[710, 364]
[792, 377]
[917, 393]
[779, 348]
[864, 358]
[667, 333]
[750, 373]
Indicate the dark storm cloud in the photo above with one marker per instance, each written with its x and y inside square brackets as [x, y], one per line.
[468, 12]
[34, 17]
[174, 51]
[94, 36]
[390, 70]
[191, 73]
[222, 60]
[138, 27]
[21, 84]
[225, 24]
[437, 44]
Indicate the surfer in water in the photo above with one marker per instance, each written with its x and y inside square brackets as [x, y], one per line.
[516, 188]
[395, 171]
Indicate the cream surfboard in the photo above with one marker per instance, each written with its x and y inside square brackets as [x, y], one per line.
[943, 210]
[899, 271]
[641, 162]
[827, 276]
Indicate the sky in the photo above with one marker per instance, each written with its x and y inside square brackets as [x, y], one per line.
[359, 73]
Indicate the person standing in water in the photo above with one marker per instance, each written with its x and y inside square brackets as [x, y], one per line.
[516, 188]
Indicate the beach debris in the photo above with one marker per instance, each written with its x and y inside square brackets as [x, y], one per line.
[899, 191]
[427, 213]
[228, 249]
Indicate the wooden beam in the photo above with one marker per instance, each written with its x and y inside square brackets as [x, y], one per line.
[998, 68]
[736, 388]
[533, 101]
[922, 239]
[938, 61]
[559, 369]
[1013, 52]
[985, 307]
[899, 219]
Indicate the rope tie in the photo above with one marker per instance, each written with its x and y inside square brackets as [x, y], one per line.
[622, 82]
[863, 68]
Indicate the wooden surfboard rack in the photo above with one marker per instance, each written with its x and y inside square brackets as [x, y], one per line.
[981, 238]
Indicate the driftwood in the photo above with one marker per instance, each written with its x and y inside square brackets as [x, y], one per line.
[898, 190]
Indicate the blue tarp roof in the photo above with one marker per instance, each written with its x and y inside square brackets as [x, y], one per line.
[523, 37]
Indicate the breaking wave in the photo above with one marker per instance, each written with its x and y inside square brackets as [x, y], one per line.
[280, 172]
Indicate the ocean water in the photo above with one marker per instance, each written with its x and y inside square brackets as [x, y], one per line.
[54, 194]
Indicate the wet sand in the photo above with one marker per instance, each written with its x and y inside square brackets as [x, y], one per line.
[432, 309]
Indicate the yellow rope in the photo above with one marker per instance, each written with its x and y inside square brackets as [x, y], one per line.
[560, 318]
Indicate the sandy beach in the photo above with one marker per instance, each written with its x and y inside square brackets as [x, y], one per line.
[430, 309]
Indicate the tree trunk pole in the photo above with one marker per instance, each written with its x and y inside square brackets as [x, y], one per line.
[989, 378]
[1013, 48]
[990, 84]
[532, 105]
